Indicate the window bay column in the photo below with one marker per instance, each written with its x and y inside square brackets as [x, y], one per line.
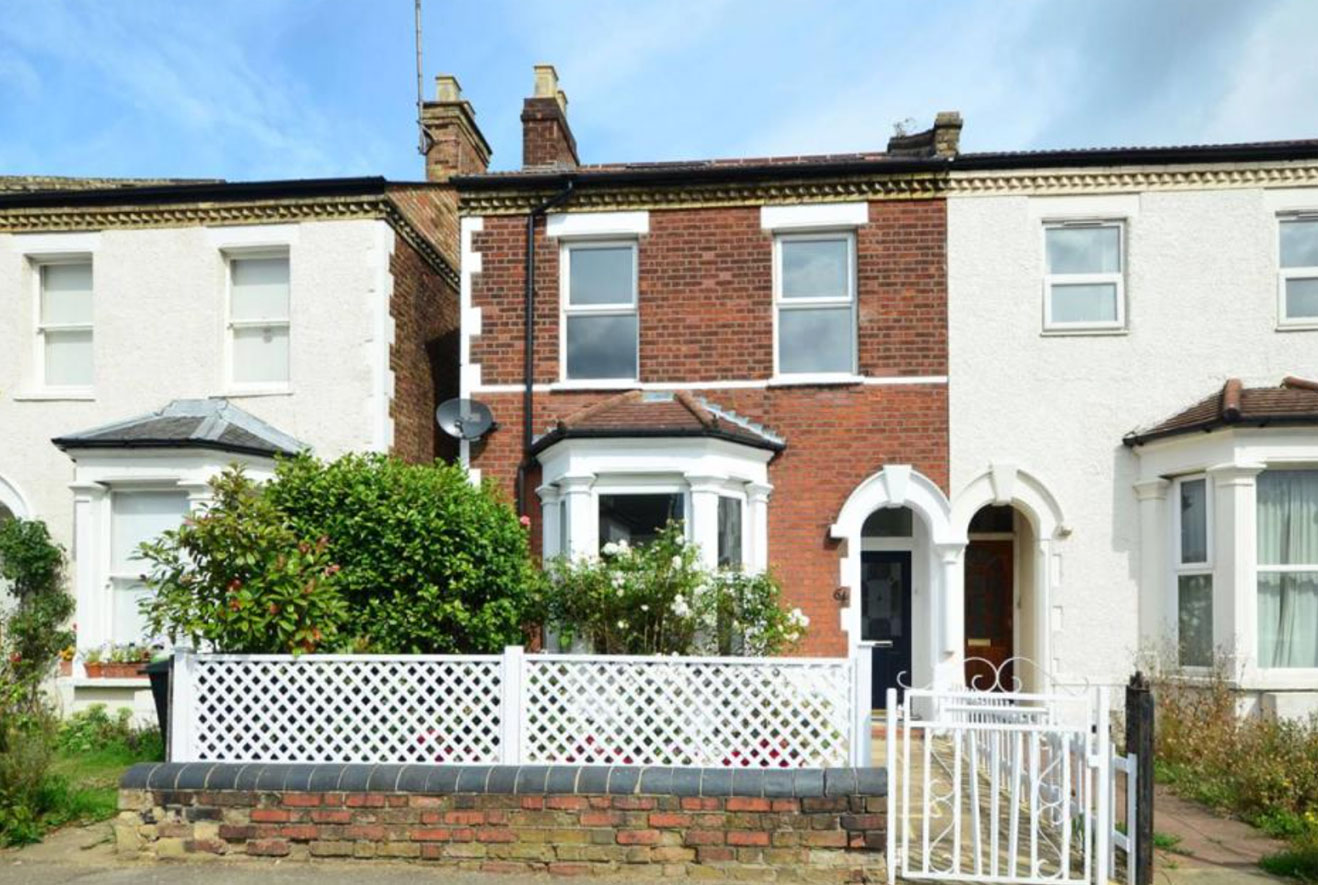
[582, 515]
[1235, 594]
[551, 524]
[757, 519]
[703, 528]
[1157, 603]
[91, 590]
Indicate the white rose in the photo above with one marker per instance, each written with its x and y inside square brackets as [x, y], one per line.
[610, 549]
[677, 561]
[645, 608]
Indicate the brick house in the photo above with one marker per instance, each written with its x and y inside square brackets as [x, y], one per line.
[157, 331]
[746, 345]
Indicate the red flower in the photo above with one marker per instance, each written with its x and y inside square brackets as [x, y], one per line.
[525, 521]
[15, 658]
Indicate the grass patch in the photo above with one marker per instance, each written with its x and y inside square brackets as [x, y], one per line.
[1299, 861]
[1166, 841]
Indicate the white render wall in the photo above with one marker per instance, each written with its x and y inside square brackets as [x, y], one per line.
[159, 335]
[1202, 306]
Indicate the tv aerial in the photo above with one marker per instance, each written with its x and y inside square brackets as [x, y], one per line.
[464, 418]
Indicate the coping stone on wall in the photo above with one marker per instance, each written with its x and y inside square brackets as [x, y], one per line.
[440, 779]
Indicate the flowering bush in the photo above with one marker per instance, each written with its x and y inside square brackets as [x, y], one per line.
[657, 598]
[238, 578]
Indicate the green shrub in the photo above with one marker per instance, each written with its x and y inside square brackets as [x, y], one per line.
[657, 598]
[430, 563]
[239, 577]
[94, 731]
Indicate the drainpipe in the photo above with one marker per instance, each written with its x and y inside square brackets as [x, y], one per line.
[528, 357]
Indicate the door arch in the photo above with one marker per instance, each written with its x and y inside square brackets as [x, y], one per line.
[12, 501]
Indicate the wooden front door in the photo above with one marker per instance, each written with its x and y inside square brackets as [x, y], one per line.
[989, 608]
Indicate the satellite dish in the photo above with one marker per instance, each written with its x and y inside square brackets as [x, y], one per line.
[464, 418]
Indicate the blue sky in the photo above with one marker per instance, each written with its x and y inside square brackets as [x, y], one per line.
[256, 89]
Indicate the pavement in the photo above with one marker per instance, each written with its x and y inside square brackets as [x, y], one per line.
[1211, 850]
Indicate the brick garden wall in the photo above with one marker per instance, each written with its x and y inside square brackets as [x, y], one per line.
[705, 302]
[612, 827]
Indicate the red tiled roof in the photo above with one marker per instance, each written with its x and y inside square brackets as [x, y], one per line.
[1294, 402]
[639, 414]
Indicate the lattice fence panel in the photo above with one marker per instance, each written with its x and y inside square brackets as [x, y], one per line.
[330, 708]
[768, 713]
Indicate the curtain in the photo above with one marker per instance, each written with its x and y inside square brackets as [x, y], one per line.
[1288, 598]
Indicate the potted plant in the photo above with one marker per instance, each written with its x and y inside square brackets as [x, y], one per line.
[66, 660]
[93, 661]
[126, 660]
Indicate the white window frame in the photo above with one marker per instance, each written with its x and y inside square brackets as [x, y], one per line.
[39, 265]
[1284, 274]
[1186, 569]
[780, 303]
[254, 388]
[566, 309]
[1080, 279]
[117, 581]
[1260, 568]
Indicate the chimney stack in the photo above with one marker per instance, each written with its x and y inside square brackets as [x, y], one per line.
[547, 141]
[456, 144]
[943, 139]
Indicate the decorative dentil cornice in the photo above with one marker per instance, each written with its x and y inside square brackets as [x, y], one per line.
[83, 218]
[1110, 179]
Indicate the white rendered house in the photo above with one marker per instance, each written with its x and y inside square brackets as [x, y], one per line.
[1098, 304]
[153, 335]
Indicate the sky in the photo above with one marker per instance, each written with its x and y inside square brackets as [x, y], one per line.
[265, 89]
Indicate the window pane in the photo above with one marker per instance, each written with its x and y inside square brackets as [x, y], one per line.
[729, 532]
[1302, 298]
[129, 625]
[883, 600]
[68, 358]
[260, 288]
[815, 340]
[1084, 250]
[66, 293]
[1287, 512]
[888, 522]
[1194, 608]
[815, 268]
[138, 517]
[1299, 244]
[1194, 521]
[601, 346]
[260, 354]
[994, 518]
[1092, 303]
[1288, 619]
[601, 276]
[636, 519]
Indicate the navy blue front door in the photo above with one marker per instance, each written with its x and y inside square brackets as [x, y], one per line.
[885, 619]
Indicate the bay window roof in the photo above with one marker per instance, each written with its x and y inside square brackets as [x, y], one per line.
[212, 423]
[1294, 402]
[645, 414]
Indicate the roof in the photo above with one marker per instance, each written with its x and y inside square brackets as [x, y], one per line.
[28, 183]
[194, 191]
[880, 162]
[213, 423]
[1294, 402]
[637, 414]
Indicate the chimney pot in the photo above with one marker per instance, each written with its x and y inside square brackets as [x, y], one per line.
[546, 81]
[447, 88]
[546, 137]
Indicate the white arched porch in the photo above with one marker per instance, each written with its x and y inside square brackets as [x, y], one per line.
[936, 613]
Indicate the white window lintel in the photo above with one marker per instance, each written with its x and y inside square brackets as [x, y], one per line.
[597, 224]
[814, 216]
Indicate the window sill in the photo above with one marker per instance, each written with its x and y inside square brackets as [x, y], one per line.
[110, 681]
[596, 384]
[1298, 326]
[820, 379]
[237, 392]
[1097, 332]
[54, 395]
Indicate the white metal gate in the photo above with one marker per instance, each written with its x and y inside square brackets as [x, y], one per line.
[1003, 787]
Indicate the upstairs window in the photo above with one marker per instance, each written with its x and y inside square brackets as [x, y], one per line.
[259, 321]
[599, 319]
[1083, 281]
[815, 303]
[64, 325]
[1194, 573]
[1298, 283]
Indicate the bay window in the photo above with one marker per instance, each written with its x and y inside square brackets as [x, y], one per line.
[638, 518]
[1083, 281]
[1194, 574]
[1298, 283]
[599, 314]
[64, 324]
[135, 517]
[815, 304]
[1287, 541]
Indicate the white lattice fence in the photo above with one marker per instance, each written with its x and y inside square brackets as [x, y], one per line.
[514, 708]
[341, 708]
[687, 711]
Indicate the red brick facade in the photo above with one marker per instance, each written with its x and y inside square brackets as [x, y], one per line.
[705, 302]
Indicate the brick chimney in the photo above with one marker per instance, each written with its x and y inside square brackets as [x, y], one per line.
[547, 140]
[943, 139]
[456, 144]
